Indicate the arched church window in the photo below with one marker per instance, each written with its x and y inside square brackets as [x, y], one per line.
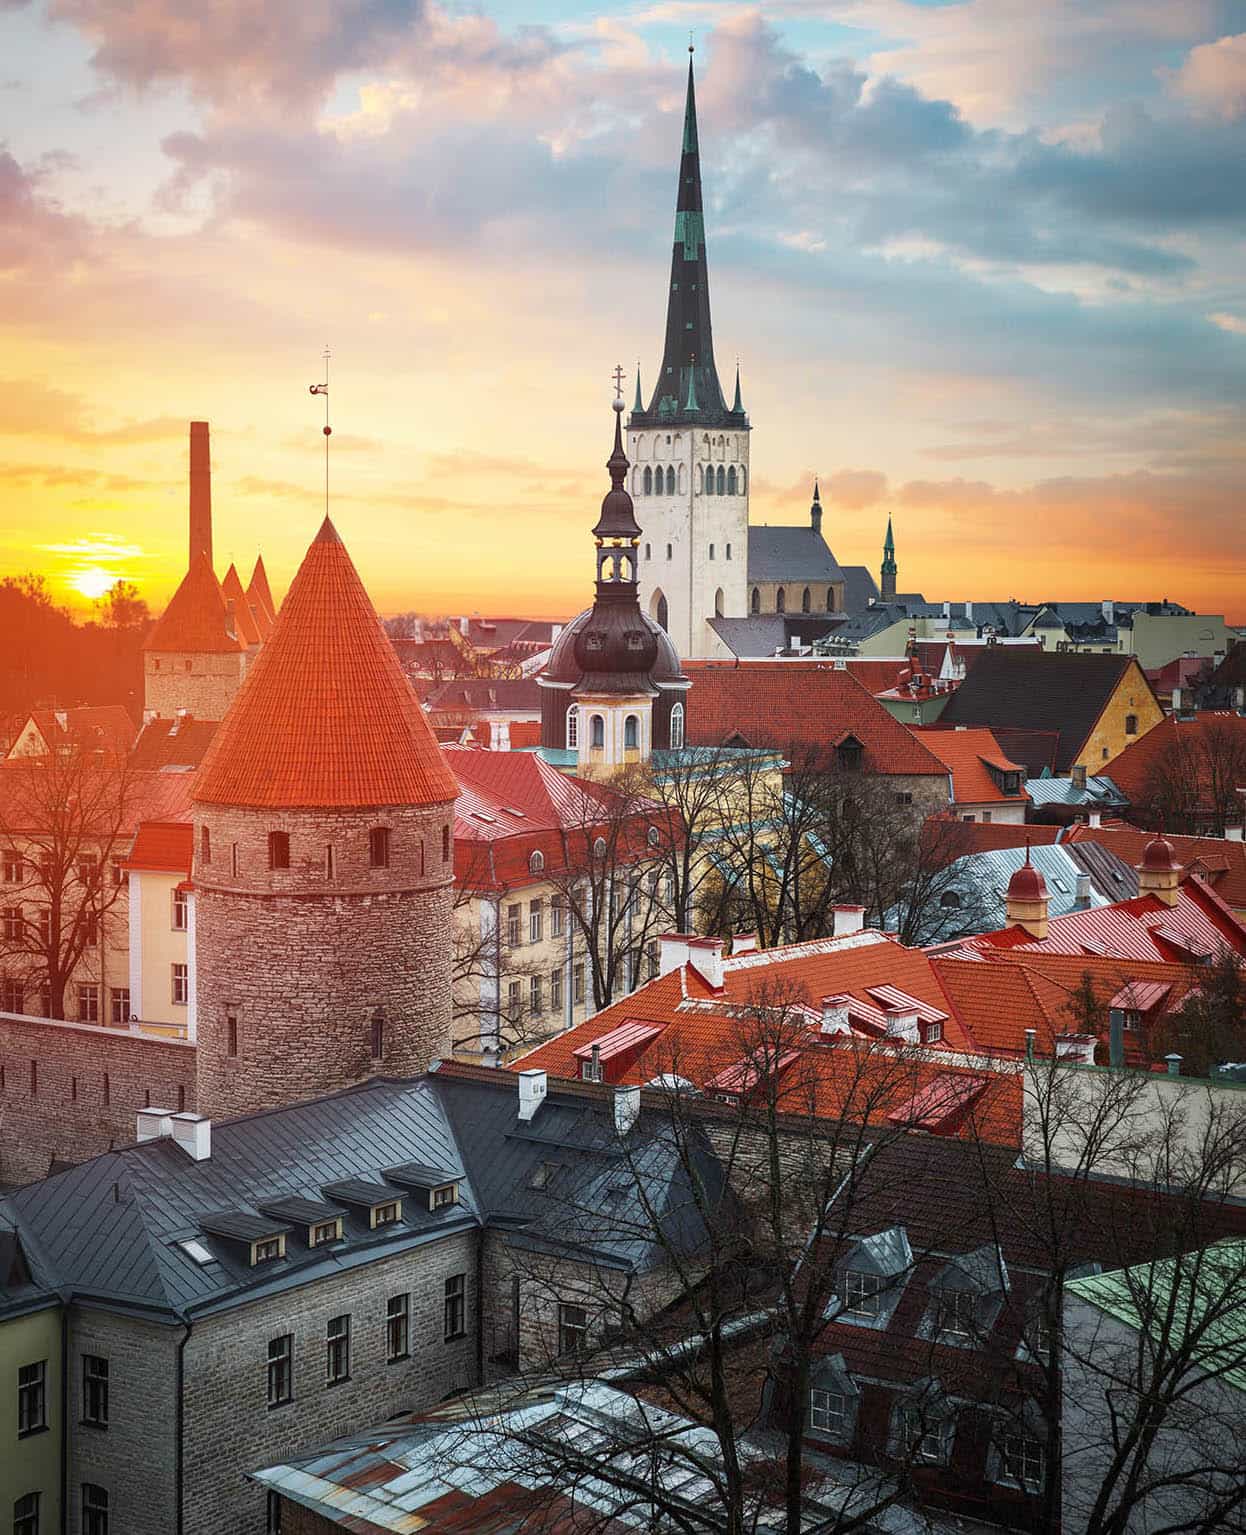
[536, 862]
[830, 599]
[677, 727]
[664, 613]
[648, 480]
[711, 551]
[721, 488]
[780, 601]
[573, 727]
[718, 603]
[631, 733]
[709, 479]
[728, 551]
[754, 602]
[599, 847]
[670, 481]
[806, 601]
[731, 481]
[597, 732]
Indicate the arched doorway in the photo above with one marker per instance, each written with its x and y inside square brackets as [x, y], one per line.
[718, 603]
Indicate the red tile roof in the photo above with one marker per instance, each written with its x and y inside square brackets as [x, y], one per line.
[875, 675]
[162, 846]
[968, 755]
[196, 620]
[954, 838]
[179, 742]
[104, 727]
[258, 588]
[1219, 862]
[325, 716]
[799, 705]
[236, 603]
[139, 796]
[1142, 928]
[1179, 747]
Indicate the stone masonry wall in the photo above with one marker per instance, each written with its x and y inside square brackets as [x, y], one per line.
[303, 958]
[69, 1091]
[229, 1428]
[134, 1458]
[203, 684]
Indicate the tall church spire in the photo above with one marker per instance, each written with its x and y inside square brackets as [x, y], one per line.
[688, 372]
[888, 585]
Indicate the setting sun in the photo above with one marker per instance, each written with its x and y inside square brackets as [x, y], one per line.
[92, 582]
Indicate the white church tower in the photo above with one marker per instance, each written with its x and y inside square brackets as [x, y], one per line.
[689, 450]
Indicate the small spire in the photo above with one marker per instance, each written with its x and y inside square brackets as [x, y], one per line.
[815, 510]
[816, 496]
[737, 407]
[328, 534]
[640, 404]
[889, 543]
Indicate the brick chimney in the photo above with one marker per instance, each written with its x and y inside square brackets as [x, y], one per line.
[200, 492]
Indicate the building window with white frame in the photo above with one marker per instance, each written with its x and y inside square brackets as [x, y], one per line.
[514, 925]
[26, 1515]
[555, 991]
[928, 1436]
[1023, 1460]
[557, 916]
[181, 985]
[536, 920]
[573, 727]
[536, 988]
[514, 998]
[572, 1328]
[95, 1514]
[828, 1412]
[397, 1328]
[536, 861]
[337, 1350]
[455, 1307]
[181, 910]
[863, 1293]
[88, 1002]
[677, 727]
[281, 1370]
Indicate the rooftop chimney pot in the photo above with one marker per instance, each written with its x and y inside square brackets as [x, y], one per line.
[532, 1089]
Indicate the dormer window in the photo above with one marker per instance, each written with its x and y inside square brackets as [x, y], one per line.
[380, 1206]
[862, 1292]
[324, 1232]
[386, 1214]
[928, 1439]
[956, 1313]
[267, 1251]
[966, 1297]
[594, 642]
[635, 639]
[536, 862]
[833, 1400]
[445, 1196]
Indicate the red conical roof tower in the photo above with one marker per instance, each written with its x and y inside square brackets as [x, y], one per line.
[196, 619]
[258, 589]
[236, 599]
[325, 717]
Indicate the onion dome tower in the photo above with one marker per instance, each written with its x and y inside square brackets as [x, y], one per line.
[1027, 902]
[323, 861]
[1159, 873]
[612, 690]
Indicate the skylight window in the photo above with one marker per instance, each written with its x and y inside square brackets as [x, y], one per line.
[197, 1250]
[479, 815]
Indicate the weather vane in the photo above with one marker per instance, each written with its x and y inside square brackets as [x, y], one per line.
[328, 430]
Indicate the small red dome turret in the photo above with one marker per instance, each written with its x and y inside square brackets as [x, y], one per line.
[1158, 856]
[1027, 884]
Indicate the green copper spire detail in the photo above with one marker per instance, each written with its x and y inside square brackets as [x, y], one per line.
[689, 344]
[889, 544]
[640, 404]
[737, 409]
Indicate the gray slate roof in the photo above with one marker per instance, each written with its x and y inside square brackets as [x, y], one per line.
[111, 1228]
[795, 554]
[1099, 791]
[860, 588]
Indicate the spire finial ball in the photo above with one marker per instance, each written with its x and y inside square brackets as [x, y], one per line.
[616, 404]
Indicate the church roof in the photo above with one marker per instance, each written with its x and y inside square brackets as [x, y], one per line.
[688, 390]
[794, 554]
[325, 716]
[244, 620]
[860, 587]
[196, 620]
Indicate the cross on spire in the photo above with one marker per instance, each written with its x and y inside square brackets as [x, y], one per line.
[617, 375]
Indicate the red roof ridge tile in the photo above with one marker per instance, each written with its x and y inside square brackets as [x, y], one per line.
[196, 620]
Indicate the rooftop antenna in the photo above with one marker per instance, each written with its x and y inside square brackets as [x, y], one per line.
[328, 430]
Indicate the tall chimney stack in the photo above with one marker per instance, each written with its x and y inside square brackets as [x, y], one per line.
[200, 492]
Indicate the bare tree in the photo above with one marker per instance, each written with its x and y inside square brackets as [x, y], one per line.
[1192, 784]
[66, 818]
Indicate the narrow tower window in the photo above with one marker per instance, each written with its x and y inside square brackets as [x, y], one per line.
[573, 727]
[731, 481]
[711, 551]
[677, 727]
[830, 599]
[329, 863]
[670, 482]
[278, 850]
[205, 845]
[445, 844]
[231, 1035]
[806, 601]
[648, 480]
[728, 551]
[597, 733]
[780, 601]
[378, 847]
[631, 733]
[754, 601]
[709, 479]
[378, 1034]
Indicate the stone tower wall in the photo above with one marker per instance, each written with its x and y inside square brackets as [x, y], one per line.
[303, 959]
[202, 684]
[692, 523]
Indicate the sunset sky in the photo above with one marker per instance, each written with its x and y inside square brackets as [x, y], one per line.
[981, 263]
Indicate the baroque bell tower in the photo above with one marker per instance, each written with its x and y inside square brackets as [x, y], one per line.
[690, 450]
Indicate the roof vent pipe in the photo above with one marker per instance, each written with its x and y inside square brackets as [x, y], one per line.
[1174, 1064]
[153, 1124]
[532, 1089]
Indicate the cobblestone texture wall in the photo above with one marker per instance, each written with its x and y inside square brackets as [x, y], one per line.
[304, 958]
[69, 1091]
